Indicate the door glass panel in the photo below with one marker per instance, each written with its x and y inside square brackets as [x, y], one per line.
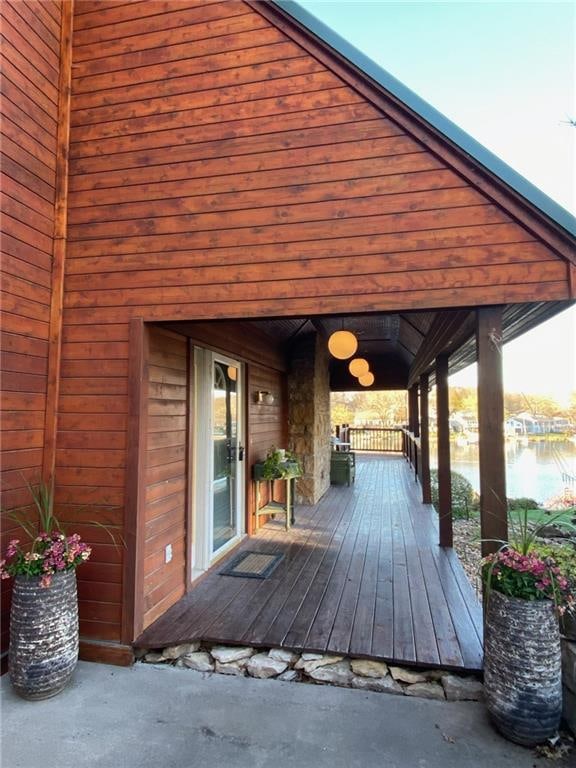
[225, 442]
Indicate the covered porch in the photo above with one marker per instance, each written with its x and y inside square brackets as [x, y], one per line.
[362, 575]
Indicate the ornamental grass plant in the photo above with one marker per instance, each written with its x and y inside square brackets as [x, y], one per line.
[47, 549]
[521, 569]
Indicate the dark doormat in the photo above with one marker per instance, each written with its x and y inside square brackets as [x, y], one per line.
[253, 565]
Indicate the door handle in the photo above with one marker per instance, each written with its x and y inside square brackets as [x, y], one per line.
[235, 453]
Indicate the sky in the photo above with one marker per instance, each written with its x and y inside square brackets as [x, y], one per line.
[505, 72]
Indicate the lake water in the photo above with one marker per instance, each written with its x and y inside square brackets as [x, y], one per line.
[537, 470]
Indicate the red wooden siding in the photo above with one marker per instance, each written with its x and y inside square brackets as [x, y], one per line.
[30, 73]
[218, 170]
[208, 144]
[91, 462]
[166, 472]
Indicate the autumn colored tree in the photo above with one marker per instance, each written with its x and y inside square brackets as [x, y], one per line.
[387, 408]
[463, 400]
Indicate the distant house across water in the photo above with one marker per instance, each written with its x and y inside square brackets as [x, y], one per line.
[526, 424]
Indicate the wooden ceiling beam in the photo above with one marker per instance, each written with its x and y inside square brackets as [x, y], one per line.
[448, 331]
[404, 319]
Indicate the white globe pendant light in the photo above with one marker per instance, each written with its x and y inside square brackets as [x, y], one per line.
[342, 344]
[359, 367]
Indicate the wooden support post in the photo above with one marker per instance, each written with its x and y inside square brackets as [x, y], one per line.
[413, 405]
[424, 441]
[444, 479]
[413, 409]
[493, 506]
[59, 245]
[414, 426]
[133, 573]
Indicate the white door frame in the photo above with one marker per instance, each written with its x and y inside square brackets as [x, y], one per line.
[202, 472]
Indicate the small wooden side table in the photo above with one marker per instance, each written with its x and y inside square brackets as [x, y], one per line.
[273, 507]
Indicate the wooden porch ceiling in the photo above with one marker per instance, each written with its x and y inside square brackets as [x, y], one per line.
[362, 575]
[402, 346]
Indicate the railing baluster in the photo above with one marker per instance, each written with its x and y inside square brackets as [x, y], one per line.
[379, 439]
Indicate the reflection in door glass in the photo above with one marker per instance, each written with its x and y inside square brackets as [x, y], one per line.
[225, 442]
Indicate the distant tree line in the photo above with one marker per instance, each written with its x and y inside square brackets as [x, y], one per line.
[390, 408]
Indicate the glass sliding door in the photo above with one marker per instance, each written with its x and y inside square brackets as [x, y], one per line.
[227, 454]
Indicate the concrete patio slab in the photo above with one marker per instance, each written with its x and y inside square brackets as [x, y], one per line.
[147, 716]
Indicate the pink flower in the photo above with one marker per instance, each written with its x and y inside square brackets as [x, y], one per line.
[12, 547]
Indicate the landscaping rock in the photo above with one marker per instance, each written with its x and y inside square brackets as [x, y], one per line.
[435, 674]
[305, 657]
[367, 668]
[338, 673]
[381, 685]
[290, 676]
[225, 653]
[553, 532]
[263, 666]
[200, 661]
[236, 668]
[175, 651]
[282, 655]
[462, 688]
[425, 691]
[324, 661]
[154, 657]
[467, 538]
[407, 675]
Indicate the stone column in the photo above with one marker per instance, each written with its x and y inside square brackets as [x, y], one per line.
[309, 417]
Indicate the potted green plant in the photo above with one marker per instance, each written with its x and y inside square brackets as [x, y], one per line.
[280, 464]
[525, 592]
[43, 649]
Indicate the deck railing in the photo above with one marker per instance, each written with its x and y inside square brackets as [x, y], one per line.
[411, 450]
[381, 439]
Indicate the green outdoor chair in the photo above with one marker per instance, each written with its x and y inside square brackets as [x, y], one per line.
[342, 467]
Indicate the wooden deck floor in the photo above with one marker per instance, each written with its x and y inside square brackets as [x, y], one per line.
[362, 575]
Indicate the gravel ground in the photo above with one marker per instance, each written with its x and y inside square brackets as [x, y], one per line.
[467, 545]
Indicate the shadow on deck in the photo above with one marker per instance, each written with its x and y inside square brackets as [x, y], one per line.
[362, 575]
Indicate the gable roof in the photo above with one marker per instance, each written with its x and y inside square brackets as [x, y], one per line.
[543, 204]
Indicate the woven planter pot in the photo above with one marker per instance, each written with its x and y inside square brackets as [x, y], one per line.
[522, 668]
[43, 635]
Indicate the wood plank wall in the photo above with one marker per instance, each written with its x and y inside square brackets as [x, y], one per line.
[166, 472]
[268, 426]
[218, 170]
[30, 74]
[210, 144]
